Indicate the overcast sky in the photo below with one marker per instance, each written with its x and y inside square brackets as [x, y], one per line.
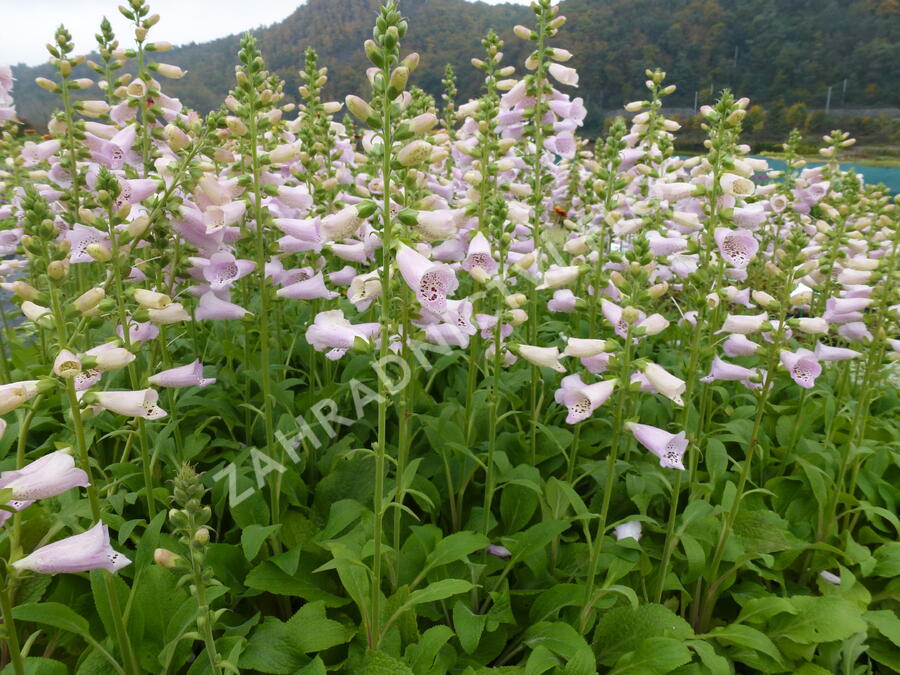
[27, 25]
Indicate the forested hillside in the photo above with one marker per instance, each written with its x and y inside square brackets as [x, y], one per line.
[774, 51]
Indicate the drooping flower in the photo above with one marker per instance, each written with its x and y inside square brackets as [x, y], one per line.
[737, 247]
[803, 366]
[630, 529]
[545, 357]
[46, 477]
[141, 403]
[222, 269]
[190, 375]
[722, 370]
[582, 399]
[212, 307]
[665, 383]
[669, 448]
[307, 289]
[479, 256]
[432, 282]
[80, 553]
[829, 353]
[331, 331]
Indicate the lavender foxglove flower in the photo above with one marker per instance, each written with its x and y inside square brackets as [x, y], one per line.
[564, 301]
[582, 399]
[829, 353]
[141, 403]
[498, 551]
[628, 530]
[308, 289]
[803, 366]
[331, 331]
[190, 375]
[665, 383]
[737, 247]
[545, 357]
[739, 345]
[669, 448]
[48, 476]
[222, 269]
[432, 282]
[80, 553]
[212, 307]
[722, 370]
[479, 256]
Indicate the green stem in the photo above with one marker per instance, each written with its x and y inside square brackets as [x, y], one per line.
[596, 547]
[12, 637]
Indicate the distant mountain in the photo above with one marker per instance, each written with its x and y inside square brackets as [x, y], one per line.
[769, 50]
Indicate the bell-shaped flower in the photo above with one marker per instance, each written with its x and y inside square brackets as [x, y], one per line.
[308, 289]
[803, 366]
[729, 372]
[190, 375]
[584, 347]
[212, 307]
[141, 403]
[737, 247]
[557, 277]
[855, 331]
[545, 357]
[331, 331]
[564, 74]
[364, 289]
[743, 324]
[582, 399]
[432, 282]
[222, 269]
[829, 353]
[669, 448]
[665, 383]
[739, 345]
[479, 256]
[17, 393]
[630, 529]
[46, 477]
[80, 237]
[80, 553]
[564, 300]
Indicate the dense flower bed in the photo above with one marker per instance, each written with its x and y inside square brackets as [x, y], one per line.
[392, 387]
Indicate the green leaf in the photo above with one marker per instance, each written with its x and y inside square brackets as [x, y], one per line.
[35, 665]
[438, 590]
[717, 664]
[762, 531]
[468, 625]
[655, 656]
[455, 547]
[563, 639]
[267, 576]
[252, 538]
[623, 629]
[745, 636]
[314, 632]
[540, 661]
[156, 601]
[819, 619]
[887, 559]
[379, 663]
[421, 656]
[52, 614]
[517, 506]
[885, 622]
[274, 648]
[536, 538]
